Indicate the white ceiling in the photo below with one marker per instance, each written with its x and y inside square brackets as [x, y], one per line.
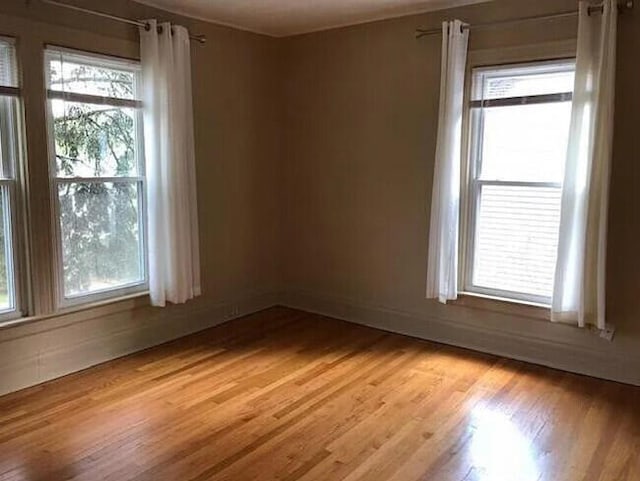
[281, 18]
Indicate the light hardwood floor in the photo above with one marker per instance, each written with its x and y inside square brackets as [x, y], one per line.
[285, 395]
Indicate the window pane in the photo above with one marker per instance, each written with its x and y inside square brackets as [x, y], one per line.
[9, 138]
[7, 302]
[516, 148]
[101, 236]
[9, 154]
[94, 140]
[88, 78]
[8, 70]
[101, 230]
[525, 142]
[517, 239]
[522, 81]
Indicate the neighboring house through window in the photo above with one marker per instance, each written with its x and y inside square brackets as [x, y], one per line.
[519, 127]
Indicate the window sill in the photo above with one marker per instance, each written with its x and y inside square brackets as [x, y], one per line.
[503, 306]
[93, 309]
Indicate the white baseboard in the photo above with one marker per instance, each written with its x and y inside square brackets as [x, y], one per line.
[572, 350]
[33, 353]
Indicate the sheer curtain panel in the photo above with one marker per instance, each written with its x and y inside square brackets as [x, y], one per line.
[579, 287]
[174, 261]
[442, 268]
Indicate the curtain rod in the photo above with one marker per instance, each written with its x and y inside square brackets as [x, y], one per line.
[197, 38]
[594, 9]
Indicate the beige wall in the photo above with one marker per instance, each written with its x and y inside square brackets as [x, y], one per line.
[236, 110]
[361, 112]
[236, 128]
[315, 163]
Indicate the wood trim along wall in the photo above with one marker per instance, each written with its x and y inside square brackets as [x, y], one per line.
[34, 353]
[512, 308]
[582, 353]
[38, 352]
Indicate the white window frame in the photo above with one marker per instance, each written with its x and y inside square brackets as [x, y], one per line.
[104, 61]
[16, 260]
[473, 184]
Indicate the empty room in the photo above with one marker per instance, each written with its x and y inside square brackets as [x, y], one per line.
[319, 240]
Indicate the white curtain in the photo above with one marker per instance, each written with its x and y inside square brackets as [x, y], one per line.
[442, 268]
[174, 259]
[579, 289]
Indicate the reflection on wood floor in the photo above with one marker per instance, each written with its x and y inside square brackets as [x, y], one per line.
[286, 395]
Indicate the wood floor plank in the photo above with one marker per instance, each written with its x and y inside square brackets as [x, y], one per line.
[291, 396]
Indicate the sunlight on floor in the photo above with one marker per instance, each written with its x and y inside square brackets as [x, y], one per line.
[499, 451]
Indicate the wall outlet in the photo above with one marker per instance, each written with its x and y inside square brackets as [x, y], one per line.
[608, 332]
[229, 313]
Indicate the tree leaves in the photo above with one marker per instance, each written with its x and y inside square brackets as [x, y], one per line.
[99, 220]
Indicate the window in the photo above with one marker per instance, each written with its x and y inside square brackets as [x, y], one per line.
[519, 128]
[10, 133]
[95, 138]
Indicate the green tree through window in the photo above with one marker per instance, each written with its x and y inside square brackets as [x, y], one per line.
[98, 176]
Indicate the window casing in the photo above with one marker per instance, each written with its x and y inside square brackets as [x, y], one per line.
[11, 220]
[519, 119]
[97, 175]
